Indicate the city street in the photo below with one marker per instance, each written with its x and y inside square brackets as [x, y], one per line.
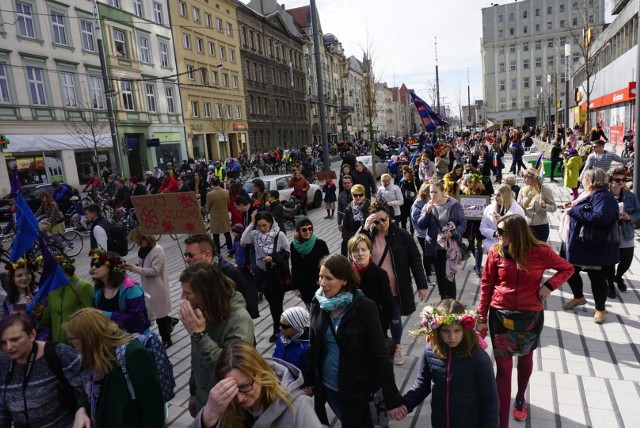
[584, 374]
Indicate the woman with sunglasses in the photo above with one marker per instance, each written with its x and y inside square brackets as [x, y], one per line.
[355, 214]
[395, 251]
[537, 201]
[306, 252]
[119, 297]
[512, 304]
[629, 214]
[256, 392]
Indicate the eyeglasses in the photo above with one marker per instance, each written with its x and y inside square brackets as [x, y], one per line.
[306, 229]
[191, 255]
[619, 180]
[500, 231]
[357, 195]
[380, 220]
[246, 387]
[285, 326]
[97, 265]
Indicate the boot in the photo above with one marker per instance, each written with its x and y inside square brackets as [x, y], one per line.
[599, 317]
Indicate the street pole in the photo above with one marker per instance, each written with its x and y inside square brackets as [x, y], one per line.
[295, 115]
[321, 106]
[567, 57]
[548, 108]
[108, 92]
[636, 137]
[468, 98]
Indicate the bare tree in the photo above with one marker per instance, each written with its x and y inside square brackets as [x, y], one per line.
[90, 130]
[369, 92]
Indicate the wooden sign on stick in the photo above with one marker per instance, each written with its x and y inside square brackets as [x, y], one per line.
[169, 213]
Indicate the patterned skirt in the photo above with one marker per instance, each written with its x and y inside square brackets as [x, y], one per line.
[514, 333]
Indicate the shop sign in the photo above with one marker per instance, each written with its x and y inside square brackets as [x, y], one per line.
[169, 213]
[619, 96]
[240, 127]
[153, 142]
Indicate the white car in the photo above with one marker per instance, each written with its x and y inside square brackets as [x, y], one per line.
[280, 183]
[382, 167]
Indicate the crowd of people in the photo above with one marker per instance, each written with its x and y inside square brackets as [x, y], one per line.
[85, 356]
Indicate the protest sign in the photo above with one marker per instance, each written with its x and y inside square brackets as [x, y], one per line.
[169, 213]
[474, 205]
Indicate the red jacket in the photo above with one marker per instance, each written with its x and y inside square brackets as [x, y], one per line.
[503, 286]
[170, 186]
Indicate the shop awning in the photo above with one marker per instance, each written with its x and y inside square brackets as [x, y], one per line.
[54, 143]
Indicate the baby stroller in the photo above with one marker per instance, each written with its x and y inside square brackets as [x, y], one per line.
[292, 210]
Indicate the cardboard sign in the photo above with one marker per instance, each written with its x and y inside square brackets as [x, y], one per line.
[325, 175]
[169, 213]
[474, 205]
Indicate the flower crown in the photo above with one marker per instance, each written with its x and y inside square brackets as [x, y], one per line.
[65, 263]
[23, 263]
[110, 260]
[432, 319]
[621, 170]
[474, 177]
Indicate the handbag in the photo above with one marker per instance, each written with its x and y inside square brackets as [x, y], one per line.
[464, 251]
[600, 234]
[280, 265]
[378, 410]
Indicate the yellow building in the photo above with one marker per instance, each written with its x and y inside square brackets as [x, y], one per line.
[207, 50]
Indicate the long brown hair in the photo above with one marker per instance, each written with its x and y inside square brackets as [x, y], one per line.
[469, 342]
[521, 239]
[213, 288]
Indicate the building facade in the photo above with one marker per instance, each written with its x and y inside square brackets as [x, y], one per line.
[523, 56]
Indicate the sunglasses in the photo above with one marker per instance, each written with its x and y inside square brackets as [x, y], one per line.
[306, 229]
[246, 387]
[380, 220]
[191, 255]
[357, 195]
[619, 180]
[97, 265]
[500, 231]
[285, 326]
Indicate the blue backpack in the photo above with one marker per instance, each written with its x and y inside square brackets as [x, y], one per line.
[164, 368]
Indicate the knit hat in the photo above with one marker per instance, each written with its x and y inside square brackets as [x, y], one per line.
[572, 152]
[238, 228]
[302, 222]
[298, 317]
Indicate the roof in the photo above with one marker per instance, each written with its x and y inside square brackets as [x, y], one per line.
[301, 16]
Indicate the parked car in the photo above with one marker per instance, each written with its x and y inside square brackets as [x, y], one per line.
[382, 167]
[31, 194]
[280, 183]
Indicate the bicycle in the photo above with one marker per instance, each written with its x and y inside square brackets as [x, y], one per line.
[70, 245]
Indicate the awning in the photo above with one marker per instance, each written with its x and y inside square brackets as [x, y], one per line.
[53, 143]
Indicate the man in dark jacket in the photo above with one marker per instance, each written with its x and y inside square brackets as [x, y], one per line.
[135, 189]
[344, 199]
[363, 176]
[276, 209]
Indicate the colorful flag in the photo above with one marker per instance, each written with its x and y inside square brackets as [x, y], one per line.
[430, 119]
[52, 277]
[16, 186]
[219, 65]
[26, 229]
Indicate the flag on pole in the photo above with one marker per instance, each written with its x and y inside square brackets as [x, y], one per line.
[430, 119]
[26, 229]
[219, 65]
[52, 277]
[540, 166]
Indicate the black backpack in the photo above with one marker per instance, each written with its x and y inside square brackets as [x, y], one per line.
[117, 241]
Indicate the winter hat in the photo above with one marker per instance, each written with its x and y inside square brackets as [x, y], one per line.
[302, 222]
[238, 228]
[298, 317]
[573, 152]
[133, 180]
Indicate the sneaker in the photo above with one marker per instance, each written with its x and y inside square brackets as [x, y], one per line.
[611, 293]
[621, 285]
[575, 302]
[398, 359]
[520, 409]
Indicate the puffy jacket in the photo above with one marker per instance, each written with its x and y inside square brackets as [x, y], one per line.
[296, 352]
[464, 390]
[132, 315]
[429, 222]
[504, 286]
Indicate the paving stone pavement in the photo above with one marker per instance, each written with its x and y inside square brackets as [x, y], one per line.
[585, 375]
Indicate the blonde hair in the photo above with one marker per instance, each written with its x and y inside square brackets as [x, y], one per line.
[385, 176]
[137, 236]
[98, 336]
[594, 178]
[535, 186]
[423, 193]
[357, 188]
[505, 192]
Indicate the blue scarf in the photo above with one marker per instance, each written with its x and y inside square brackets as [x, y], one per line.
[339, 301]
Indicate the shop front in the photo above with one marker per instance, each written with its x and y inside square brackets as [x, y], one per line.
[614, 112]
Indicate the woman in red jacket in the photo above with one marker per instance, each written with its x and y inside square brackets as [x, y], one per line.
[512, 297]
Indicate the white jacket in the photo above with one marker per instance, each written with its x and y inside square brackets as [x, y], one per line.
[392, 195]
[489, 225]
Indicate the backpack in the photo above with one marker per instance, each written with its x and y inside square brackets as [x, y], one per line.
[164, 368]
[117, 240]
[518, 151]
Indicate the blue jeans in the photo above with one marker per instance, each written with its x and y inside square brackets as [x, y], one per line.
[396, 321]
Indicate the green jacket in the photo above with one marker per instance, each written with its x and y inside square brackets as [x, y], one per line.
[115, 408]
[62, 303]
[205, 353]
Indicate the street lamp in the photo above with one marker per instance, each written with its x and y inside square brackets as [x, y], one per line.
[567, 55]
[549, 108]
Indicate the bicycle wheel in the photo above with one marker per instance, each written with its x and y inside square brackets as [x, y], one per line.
[73, 243]
[86, 202]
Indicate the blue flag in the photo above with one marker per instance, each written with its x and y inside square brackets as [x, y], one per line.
[26, 229]
[16, 186]
[52, 276]
[430, 119]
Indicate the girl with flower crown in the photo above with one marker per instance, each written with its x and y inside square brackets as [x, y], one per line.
[21, 285]
[455, 368]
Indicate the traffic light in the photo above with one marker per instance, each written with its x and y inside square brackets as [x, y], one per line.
[4, 142]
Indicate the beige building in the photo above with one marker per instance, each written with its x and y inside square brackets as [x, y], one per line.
[206, 41]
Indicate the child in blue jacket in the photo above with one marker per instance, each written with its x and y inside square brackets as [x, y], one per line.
[292, 344]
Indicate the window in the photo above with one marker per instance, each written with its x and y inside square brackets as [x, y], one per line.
[563, 41]
[525, 46]
[190, 72]
[512, 66]
[214, 77]
[561, 8]
[511, 31]
[57, 28]
[514, 102]
[145, 56]
[25, 20]
[550, 60]
[512, 49]
[137, 8]
[501, 50]
[225, 80]
[212, 49]
[238, 112]
[538, 44]
[537, 12]
[537, 27]
[88, 43]
[127, 95]
[525, 14]
[525, 29]
[121, 46]
[502, 85]
[196, 14]
[234, 81]
[222, 52]
[207, 19]
[203, 75]
[512, 16]
[550, 43]
[171, 107]
[186, 41]
[549, 26]
[525, 64]
[219, 24]
[114, 3]
[574, 21]
[500, 32]
[501, 67]
[562, 23]
[195, 109]
[4, 84]
[527, 102]
[229, 29]
[513, 84]
[150, 90]
[182, 8]
[538, 81]
[232, 55]
[35, 80]
[500, 18]
[157, 13]
[68, 86]
[503, 104]
[200, 45]
[538, 62]
[229, 110]
[562, 77]
[164, 55]
[207, 110]
[218, 111]
[97, 94]
[525, 82]
[549, 10]
[576, 57]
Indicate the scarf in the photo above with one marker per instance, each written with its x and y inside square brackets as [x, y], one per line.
[363, 270]
[339, 301]
[305, 247]
[265, 240]
[357, 211]
[565, 220]
[453, 250]
[143, 252]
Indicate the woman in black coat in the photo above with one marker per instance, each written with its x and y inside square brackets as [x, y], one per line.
[355, 214]
[349, 368]
[306, 252]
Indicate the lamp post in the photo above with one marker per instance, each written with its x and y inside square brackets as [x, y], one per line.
[567, 56]
[549, 108]
[295, 115]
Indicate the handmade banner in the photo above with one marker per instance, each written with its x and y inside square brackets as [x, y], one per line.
[325, 175]
[169, 213]
[474, 205]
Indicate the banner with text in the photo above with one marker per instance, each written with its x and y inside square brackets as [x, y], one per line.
[474, 205]
[169, 213]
